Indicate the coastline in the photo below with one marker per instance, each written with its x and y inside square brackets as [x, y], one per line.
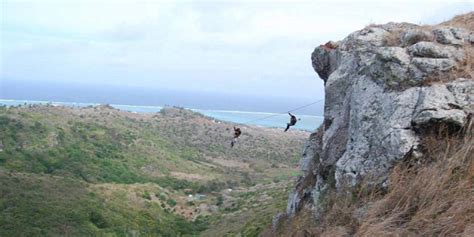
[308, 122]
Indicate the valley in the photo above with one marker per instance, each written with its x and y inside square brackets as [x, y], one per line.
[102, 171]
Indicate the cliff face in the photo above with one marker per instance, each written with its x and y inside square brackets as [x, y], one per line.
[386, 86]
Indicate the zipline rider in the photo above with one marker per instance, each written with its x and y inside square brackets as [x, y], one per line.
[237, 133]
[292, 122]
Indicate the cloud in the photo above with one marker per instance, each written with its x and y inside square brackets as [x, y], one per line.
[249, 46]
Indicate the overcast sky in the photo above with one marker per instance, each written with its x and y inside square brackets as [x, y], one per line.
[249, 47]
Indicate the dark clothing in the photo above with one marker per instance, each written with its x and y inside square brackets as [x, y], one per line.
[292, 122]
[237, 133]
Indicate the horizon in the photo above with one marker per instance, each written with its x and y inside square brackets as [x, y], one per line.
[139, 96]
[246, 118]
[19, 102]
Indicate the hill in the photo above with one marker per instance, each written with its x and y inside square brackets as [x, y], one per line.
[98, 170]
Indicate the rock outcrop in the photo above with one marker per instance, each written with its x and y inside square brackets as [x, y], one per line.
[386, 86]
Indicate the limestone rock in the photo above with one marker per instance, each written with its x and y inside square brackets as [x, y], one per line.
[293, 204]
[450, 35]
[394, 54]
[437, 104]
[379, 98]
[431, 65]
[311, 149]
[428, 50]
[463, 92]
[413, 36]
[433, 50]
[324, 60]
[471, 38]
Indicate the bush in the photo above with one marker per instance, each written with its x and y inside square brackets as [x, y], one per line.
[162, 197]
[98, 220]
[171, 202]
[146, 195]
[220, 200]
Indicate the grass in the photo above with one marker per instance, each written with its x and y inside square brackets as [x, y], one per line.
[98, 171]
[431, 199]
[44, 205]
[107, 145]
[429, 196]
[253, 211]
[40, 206]
[465, 21]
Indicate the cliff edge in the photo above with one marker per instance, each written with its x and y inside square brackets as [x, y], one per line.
[389, 90]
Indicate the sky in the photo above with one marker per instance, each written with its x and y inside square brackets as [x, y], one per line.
[229, 47]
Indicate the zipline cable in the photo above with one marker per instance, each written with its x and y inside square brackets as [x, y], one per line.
[273, 115]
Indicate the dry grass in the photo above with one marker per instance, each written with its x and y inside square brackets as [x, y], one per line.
[467, 68]
[394, 38]
[462, 21]
[431, 196]
[303, 224]
[428, 198]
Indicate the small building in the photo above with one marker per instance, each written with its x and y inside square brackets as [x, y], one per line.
[200, 196]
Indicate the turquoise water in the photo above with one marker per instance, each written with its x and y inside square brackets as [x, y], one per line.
[307, 122]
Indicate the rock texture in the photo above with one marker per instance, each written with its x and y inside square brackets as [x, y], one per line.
[385, 86]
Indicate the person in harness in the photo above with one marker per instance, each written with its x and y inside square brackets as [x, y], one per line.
[292, 122]
[237, 133]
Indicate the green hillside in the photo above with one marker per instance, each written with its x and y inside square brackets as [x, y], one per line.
[101, 171]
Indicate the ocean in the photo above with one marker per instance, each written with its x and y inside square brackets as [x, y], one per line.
[144, 96]
[263, 119]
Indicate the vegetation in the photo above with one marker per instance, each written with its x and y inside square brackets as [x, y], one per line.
[247, 213]
[106, 145]
[433, 197]
[98, 171]
[44, 205]
[428, 196]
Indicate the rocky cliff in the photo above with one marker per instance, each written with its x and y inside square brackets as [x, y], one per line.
[386, 87]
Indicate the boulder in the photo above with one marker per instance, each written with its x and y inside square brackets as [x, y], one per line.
[433, 50]
[433, 65]
[450, 35]
[439, 105]
[324, 60]
[413, 36]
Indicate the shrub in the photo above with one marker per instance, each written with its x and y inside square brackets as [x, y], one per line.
[220, 200]
[162, 197]
[146, 195]
[171, 202]
[98, 220]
